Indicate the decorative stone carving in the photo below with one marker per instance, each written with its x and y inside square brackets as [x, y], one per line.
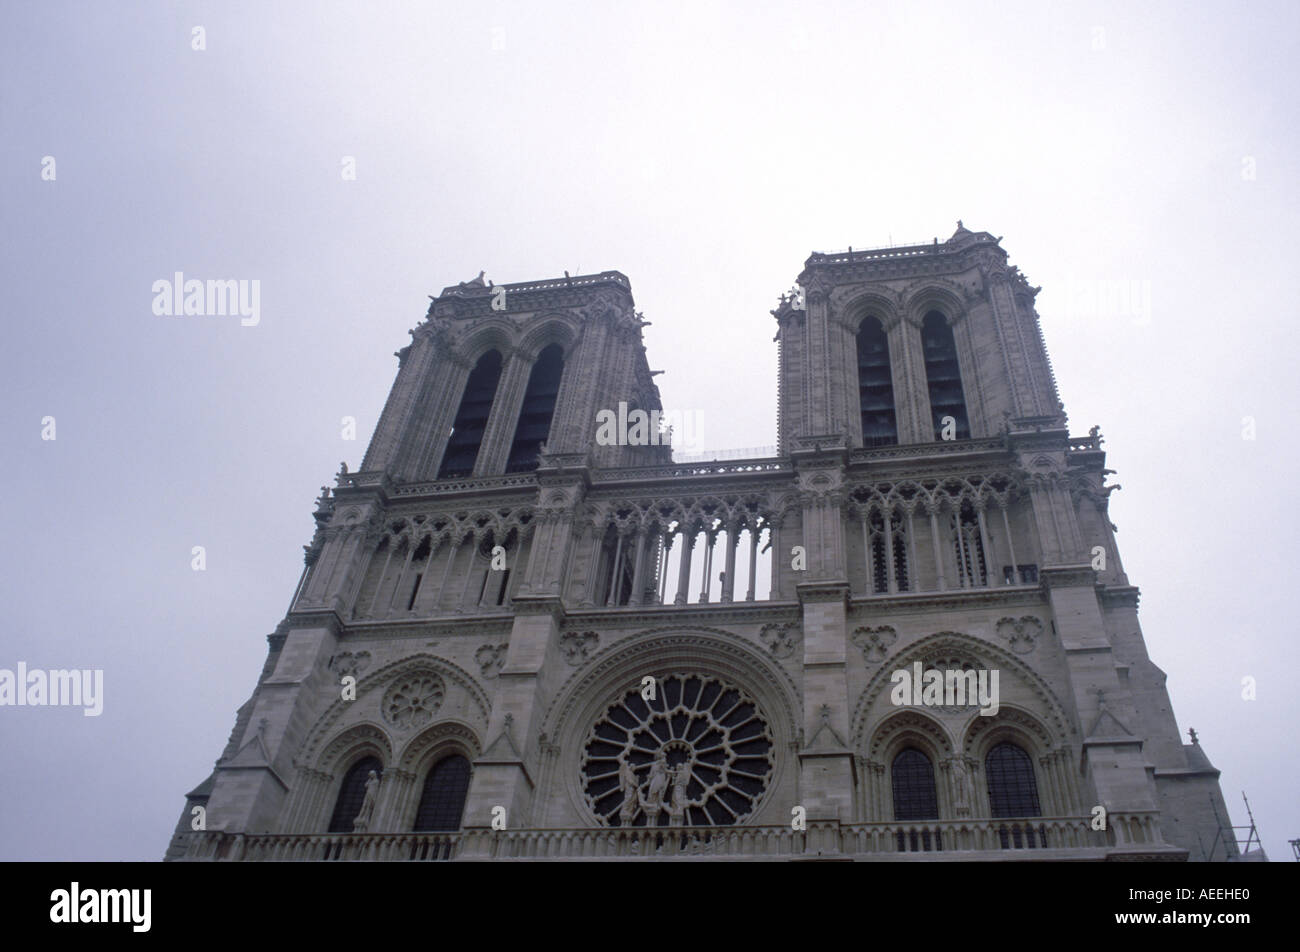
[577, 647]
[961, 786]
[781, 638]
[368, 804]
[351, 663]
[412, 700]
[874, 642]
[490, 658]
[1021, 633]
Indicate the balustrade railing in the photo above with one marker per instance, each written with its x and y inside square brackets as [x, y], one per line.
[994, 837]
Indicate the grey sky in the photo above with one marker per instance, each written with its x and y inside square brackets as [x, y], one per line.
[703, 150]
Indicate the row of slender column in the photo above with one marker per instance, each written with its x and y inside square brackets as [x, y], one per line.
[961, 535]
[414, 579]
[647, 547]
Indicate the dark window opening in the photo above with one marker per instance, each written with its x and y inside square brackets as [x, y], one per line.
[472, 417]
[1013, 789]
[943, 376]
[880, 555]
[968, 547]
[875, 386]
[912, 776]
[1028, 574]
[443, 800]
[539, 406]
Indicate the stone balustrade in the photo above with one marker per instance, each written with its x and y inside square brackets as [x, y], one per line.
[981, 839]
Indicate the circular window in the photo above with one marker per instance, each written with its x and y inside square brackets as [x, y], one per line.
[413, 700]
[698, 754]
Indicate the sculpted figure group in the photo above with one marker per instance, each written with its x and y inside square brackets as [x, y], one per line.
[657, 798]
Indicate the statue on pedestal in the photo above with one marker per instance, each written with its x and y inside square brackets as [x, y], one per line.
[654, 801]
[628, 786]
[368, 804]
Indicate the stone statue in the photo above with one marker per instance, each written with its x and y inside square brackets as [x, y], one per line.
[654, 801]
[960, 785]
[681, 779]
[368, 804]
[628, 786]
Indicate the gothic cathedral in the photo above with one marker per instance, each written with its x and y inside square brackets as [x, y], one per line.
[525, 631]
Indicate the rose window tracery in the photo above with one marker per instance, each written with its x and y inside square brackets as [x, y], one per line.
[413, 700]
[699, 754]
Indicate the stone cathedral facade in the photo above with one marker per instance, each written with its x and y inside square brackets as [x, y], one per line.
[514, 639]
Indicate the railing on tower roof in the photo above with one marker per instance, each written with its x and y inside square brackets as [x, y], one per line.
[845, 255]
[568, 281]
[751, 452]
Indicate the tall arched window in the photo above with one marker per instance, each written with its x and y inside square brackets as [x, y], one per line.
[879, 557]
[539, 406]
[1013, 790]
[875, 386]
[443, 800]
[352, 793]
[943, 375]
[912, 775]
[472, 417]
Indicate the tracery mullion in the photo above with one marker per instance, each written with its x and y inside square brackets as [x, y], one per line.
[1005, 504]
[379, 583]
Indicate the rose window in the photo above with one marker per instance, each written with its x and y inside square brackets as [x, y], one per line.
[413, 700]
[698, 754]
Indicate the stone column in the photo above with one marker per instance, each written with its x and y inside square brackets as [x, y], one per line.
[614, 585]
[984, 542]
[638, 567]
[446, 575]
[729, 580]
[892, 582]
[684, 569]
[870, 588]
[933, 508]
[503, 418]
[401, 576]
[710, 537]
[1011, 543]
[913, 584]
[379, 583]
[753, 562]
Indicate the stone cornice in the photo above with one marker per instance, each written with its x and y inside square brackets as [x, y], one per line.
[326, 618]
[991, 450]
[1120, 596]
[712, 615]
[1068, 576]
[831, 590]
[442, 626]
[1030, 434]
[539, 605]
[911, 261]
[1005, 596]
[472, 299]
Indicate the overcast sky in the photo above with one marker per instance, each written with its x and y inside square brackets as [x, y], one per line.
[704, 150]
